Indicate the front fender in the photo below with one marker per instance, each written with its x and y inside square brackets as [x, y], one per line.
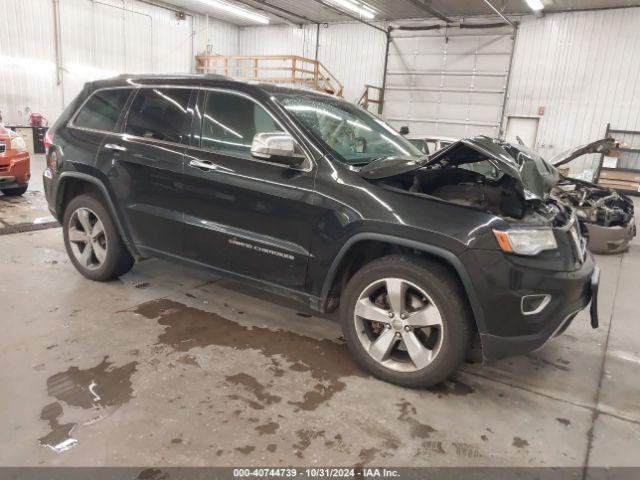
[447, 256]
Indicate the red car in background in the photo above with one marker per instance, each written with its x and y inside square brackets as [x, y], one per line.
[14, 163]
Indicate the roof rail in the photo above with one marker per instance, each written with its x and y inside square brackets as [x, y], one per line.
[216, 76]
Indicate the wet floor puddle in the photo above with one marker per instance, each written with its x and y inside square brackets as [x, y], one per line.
[101, 386]
[59, 438]
[326, 361]
[102, 389]
[99, 391]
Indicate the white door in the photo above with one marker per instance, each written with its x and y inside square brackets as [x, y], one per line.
[525, 128]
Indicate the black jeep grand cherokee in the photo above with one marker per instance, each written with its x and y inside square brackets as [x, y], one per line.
[311, 197]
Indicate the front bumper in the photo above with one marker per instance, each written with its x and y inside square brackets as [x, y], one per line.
[501, 285]
[605, 240]
[15, 170]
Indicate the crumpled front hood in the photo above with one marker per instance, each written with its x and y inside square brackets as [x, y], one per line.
[504, 156]
[388, 167]
[599, 146]
[534, 176]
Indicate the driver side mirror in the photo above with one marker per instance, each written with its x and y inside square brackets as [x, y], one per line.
[404, 130]
[277, 147]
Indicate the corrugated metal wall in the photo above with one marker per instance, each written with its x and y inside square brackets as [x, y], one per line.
[341, 49]
[97, 39]
[584, 69]
[27, 60]
[355, 54]
[222, 37]
[278, 40]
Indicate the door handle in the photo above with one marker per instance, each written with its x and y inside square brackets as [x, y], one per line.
[115, 147]
[203, 165]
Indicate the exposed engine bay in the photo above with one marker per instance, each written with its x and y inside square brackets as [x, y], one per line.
[594, 204]
[468, 176]
[470, 188]
[606, 217]
[514, 182]
[493, 194]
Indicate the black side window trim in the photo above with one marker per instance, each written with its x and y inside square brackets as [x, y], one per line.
[197, 125]
[118, 125]
[125, 112]
[188, 130]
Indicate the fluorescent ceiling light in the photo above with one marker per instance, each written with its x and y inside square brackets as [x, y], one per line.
[361, 9]
[235, 10]
[535, 5]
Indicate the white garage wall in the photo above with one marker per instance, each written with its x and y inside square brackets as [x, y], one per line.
[278, 40]
[353, 52]
[27, 68]
[222, 37]
[584, 68]
[97, 39]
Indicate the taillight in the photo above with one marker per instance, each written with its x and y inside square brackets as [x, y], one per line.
[49, 154]
[48, 139]
[52, 162]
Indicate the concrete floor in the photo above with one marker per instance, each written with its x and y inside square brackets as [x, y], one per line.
[172, 366]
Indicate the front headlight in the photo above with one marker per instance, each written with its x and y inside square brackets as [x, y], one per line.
[17, 144]
[530, 241]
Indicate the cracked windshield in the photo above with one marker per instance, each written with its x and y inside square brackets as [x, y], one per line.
[352, 134]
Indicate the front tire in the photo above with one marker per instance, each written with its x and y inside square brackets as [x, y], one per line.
[92, 240]
[406, 320]
[15, 192]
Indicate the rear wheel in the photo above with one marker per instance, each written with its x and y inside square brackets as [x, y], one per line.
[92, 240]
[406, 320]
[15, 192]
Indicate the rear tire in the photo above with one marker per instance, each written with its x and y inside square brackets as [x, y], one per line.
[92, 240]
[15, 192]
[430, 331]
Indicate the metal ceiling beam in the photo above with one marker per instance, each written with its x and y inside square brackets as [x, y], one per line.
[264, 11]
[426, 6]
[499, 13]
[284, 11]
[347, 14]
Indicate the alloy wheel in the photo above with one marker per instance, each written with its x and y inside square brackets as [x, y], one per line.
[87, 238]
[398, 324]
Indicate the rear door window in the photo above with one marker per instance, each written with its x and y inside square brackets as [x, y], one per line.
[230, 122]
[102, 110]
[160, 114]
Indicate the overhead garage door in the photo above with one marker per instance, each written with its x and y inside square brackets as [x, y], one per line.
[448, 84]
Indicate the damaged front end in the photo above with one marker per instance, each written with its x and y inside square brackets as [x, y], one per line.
[515, 183]
[480, 173]
[529, 259]
[606, 217]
